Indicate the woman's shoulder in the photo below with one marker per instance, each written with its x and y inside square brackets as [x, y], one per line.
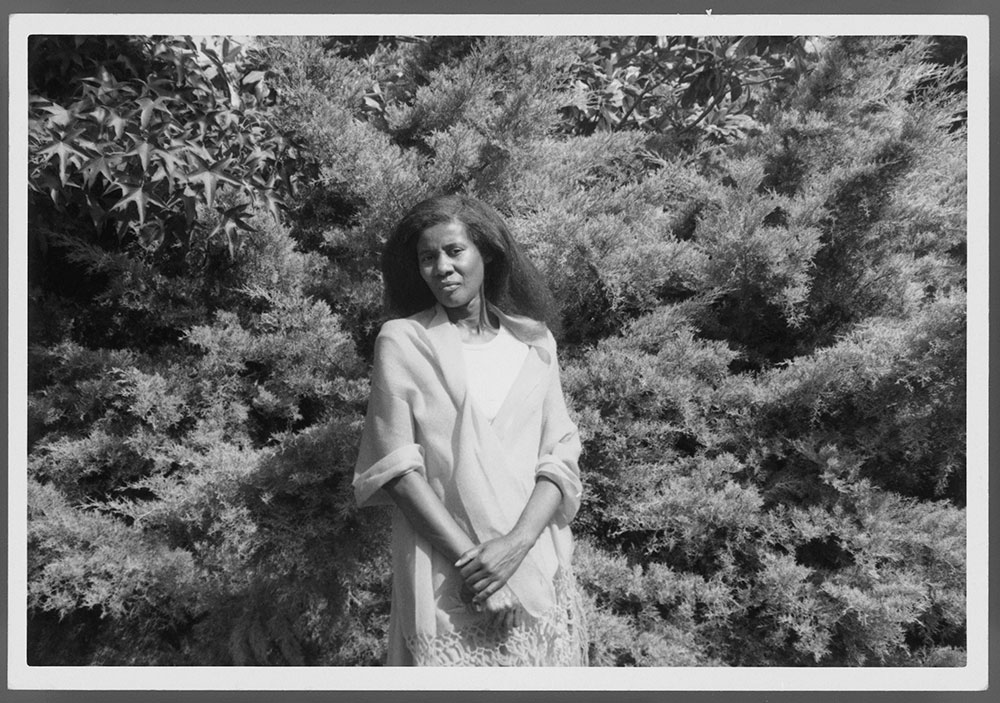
[403, 332]
[528, 330]
[406, 326]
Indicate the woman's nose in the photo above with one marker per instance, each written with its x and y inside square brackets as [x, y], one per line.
[442, 265]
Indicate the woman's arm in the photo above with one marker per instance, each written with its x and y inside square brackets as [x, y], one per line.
[427, 514]
[559, 453]
[487, 567]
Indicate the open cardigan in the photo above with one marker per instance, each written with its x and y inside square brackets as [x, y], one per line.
[422, 418]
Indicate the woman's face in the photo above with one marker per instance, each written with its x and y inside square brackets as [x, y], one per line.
[451, 265]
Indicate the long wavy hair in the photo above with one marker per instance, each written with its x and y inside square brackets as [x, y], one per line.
[511, 281]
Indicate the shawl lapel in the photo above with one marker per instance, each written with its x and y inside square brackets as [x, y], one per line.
[526, 385]
[446, 345]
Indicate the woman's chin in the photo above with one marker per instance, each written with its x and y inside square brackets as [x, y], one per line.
[455, 300]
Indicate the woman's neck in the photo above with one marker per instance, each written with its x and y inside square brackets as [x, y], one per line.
[472, 324]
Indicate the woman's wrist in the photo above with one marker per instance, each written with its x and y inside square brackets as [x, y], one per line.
[522, 539]
[544, 501]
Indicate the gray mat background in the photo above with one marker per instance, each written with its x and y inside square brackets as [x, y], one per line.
[986, 8]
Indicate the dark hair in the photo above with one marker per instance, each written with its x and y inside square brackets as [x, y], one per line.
[512, 283]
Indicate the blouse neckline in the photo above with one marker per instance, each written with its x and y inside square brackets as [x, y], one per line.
[531, 332]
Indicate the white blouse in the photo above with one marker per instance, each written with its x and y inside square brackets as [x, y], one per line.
[490, 369]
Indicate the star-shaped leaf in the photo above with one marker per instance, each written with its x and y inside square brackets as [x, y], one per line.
[64, 148]
[100, 164]
[146, 108]
[211, 174]
[140, 197]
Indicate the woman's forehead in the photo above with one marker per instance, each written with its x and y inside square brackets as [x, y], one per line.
[443, 234]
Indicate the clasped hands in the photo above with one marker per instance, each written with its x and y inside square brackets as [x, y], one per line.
[485, 571]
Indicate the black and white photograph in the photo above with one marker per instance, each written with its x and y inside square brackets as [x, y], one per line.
[484, 347]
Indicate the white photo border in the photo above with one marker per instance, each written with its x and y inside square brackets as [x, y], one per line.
[971, 677]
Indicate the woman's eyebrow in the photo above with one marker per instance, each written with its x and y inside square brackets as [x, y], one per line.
[444, 245]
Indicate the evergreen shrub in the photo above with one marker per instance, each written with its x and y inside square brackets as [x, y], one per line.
[759, 257]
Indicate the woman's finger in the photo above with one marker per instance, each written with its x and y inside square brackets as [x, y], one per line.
[491, 591]
[484, 588]
[475, 569]
[467, 557]
[471, 569]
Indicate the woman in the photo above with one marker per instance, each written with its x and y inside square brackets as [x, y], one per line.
[467, 434]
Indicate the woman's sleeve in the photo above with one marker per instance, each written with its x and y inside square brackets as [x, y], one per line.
[560, 449]
[388, 448]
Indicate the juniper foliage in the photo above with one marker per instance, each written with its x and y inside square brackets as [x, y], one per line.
[764, 342]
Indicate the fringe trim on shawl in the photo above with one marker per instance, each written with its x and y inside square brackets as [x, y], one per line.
[557, 638]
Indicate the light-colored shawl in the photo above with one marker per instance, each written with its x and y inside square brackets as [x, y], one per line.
[421, 417]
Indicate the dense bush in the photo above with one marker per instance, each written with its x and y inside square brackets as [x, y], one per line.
[758, 245]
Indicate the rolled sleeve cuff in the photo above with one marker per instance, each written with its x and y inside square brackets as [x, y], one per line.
[568, 481]
[368, 484]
